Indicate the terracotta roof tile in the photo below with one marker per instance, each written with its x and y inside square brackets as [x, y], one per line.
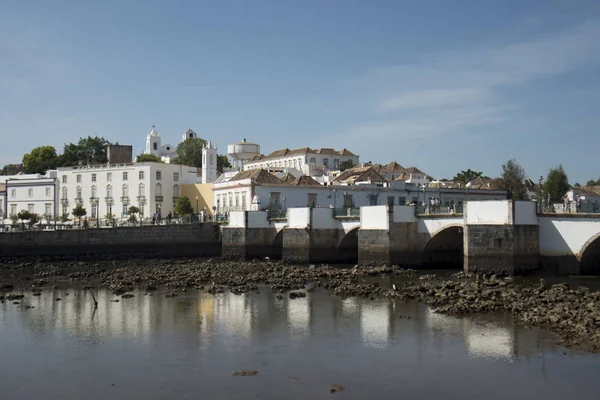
[260, 176]
[287, 178]
[305, 181]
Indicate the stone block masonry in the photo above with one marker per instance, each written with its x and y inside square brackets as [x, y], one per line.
[173, 240]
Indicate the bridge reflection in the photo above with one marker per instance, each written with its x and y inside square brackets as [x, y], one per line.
[234, 321]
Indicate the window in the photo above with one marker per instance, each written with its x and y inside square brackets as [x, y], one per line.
[211, 159]
[109, 191]
[275, 196]
[94, 192]
[244, 201]
[141, 190]
[175, 190]
[79, 192]
[158, 189]
[313, 161]
[158, 175]
[109, 177]
[13, 209]
[401, 201]
[124, 210]
[141, 175]
[348, 201]
[124, 176]
[372, 200]
[175, 176]
[94, 210]
[13, 193]
[336, 163]
[65, 210]
[312, 199]
[64, 179]
[155, 146]
[30, 208]
[47, 192]
[93, 177]
[326, 162]
[48, 209]
[78, 178]
[64, 193]
[237, 200]
[30, 192]
[125, 191]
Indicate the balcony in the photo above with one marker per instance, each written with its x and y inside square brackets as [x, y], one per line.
[125, 200]
[141, 199]
[94, 200]
[158, 199]
[64, 202]
[109, 200]
[175, 199]
[78, 200]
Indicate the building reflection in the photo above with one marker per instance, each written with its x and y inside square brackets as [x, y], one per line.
[203, 320]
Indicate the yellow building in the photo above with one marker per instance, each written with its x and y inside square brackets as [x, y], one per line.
[200, 195]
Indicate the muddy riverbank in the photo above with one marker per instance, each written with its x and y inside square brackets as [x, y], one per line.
[572, 313]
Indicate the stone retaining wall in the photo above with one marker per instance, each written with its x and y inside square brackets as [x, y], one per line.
[172, 240]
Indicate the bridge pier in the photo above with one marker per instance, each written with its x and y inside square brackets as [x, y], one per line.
[250, 235]
[501, 237]
[315, 235]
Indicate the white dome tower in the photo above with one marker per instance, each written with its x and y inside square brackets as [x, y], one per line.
[153, 142]
[242, 152]
[209, 163]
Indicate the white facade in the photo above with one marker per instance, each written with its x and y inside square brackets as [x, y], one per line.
[36, 195]
[209, 163]
[309, 162]
[243, 194]
[111, 189]
[154, 146]
[3, 213]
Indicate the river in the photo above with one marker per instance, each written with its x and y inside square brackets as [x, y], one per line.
[188, 347]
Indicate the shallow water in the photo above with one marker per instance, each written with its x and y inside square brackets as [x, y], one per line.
[151, 347]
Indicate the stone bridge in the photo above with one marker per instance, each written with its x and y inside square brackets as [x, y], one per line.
[492, 236]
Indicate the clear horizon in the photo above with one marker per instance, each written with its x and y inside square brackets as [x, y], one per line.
[443, 86]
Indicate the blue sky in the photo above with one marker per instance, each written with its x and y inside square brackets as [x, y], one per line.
[443, 85]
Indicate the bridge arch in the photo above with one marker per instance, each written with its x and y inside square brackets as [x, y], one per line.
[589, 256]
[347, 248]
[445, 249]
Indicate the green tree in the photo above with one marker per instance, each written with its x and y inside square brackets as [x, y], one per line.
[189, 152]
[148, 158]
[25, 215]
[40, 160]
[577, 185]
[78, 212]
[512, 180]
[90, 150]
[556, 184]
[183, 206]
[344, 165]
[222, 163]
[467, 176]
[132, 211]
[12, 169]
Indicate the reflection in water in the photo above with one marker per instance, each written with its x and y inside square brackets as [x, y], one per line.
[204, 338]
[375, 324]
[298, 317]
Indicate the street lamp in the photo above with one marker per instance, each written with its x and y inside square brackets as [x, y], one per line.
[540, 194]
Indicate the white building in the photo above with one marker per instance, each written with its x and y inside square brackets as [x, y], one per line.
[37, 195]
[2, 202]
[167, 151]
[112, 189]
[311, 162]
[257, 189]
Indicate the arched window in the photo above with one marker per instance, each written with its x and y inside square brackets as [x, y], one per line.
[155, 146]
[64, 193]
[125, 192]
[211, 159]
[94, 191]
[158, 189]
[108, 191]
[79, 192]
[141, 190]
[175, 190]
